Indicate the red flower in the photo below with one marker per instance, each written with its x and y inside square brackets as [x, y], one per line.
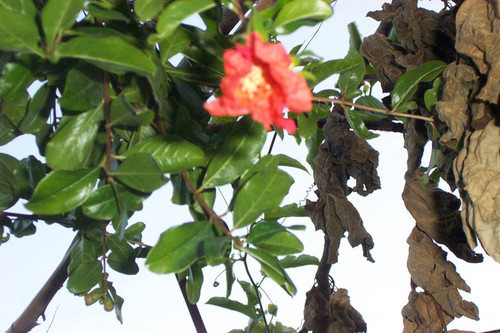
[259, 82]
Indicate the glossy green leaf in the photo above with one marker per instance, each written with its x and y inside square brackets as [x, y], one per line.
[407, 83]
[73, 141]
[38, 110]
[267, 162]
[14, 80]
[134, 232]
[7, 130]
[285, 160]
[118, 302]
[349, 80]
[173, 45]
[299, 10]
[125, 114]
[58, 15]
[122, 256]
[371, 102]
[262, 192]
[302, 260]
[281, 243]
[176, 12]
[107, 53]
[14, 175]
[61, 191]
[148, 9]
[216, 250]
[15, 110]
[35, 169]
[140, 172]
[324, 70]
[84, 88]
[106, 14]
[229, 304]
[358, 125]
[431, 95]
[194, 282]
[237, 153]
[307, 124]
[102, 203]
[263, 231]
[23, 227]
[172, 153]
[84, 277]
[285, 211]
[271, 267]
[18, 28]
[179, 247]
[355, 38]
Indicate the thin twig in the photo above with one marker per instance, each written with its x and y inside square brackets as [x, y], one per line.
[210, 213]
[33, 217]
[256, 292]
[369, 108]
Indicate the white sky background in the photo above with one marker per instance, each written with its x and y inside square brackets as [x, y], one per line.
[153, 303]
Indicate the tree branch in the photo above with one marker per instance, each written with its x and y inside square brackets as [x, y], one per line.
[192, 308]
[28, 319]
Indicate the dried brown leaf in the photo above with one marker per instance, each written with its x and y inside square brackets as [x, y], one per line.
[437, 214]
[423, 315]
[345, 318]
[342, 155]
[477, 170]
[430, 270]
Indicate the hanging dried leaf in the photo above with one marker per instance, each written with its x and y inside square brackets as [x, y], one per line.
[342, 155]
[437, 214]
[453, 109]
[331, 316]
[478, 36]
[416, 137]
[423, 315]
[430, 270]
[477, 170]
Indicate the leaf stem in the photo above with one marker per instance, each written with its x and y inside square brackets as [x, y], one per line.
[208, 211]
[256, 293]
[369, 108]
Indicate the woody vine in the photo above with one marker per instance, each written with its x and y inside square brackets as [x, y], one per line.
[115, 120]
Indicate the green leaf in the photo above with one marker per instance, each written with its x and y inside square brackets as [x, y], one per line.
[84, 88]
[107, 53]
[125, 114]
[407, 83]
[58, 15]
[358, 125]
[140, 172]
[176, 12]
[263, 231]
[23, 227]
[271, 267]
[73, 141]
[36, 171]
[252, 297]
[300, 10]
[302, 260]
[355, 38]
[179, 247]
[84, 277]
[371, 102]
[14, 80]
[194, 282]
[15, 110]
[134, 232]
[106, 14]
[148, 9]
[349, 81]
[38, 110]
[262, 192]
[229, 304]
[281, 243]
[7, 130]
[307, 124]
[264, 163]
[14, 175]
[173, 45]
[215, 250]
[18, 28]
[285, 160]
[102, 203]
[172, 153]
[236, 154]
[324, 70]
[122, 256]
[230, 278]
[61, 191]
[285, 211]
[431, 95]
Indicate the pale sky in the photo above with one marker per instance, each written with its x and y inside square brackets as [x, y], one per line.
[153, 303]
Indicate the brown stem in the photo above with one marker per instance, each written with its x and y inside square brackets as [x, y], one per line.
[369, 108]
[27, 320]
[207, 210]
[322, 273]
[192, 308]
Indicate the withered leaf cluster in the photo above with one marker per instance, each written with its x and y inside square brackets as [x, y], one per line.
[341, 156]
[334, 315]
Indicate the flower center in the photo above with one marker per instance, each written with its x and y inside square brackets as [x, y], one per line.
[253, 85]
